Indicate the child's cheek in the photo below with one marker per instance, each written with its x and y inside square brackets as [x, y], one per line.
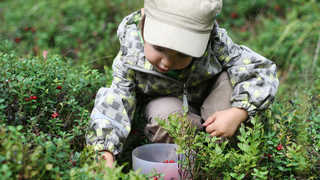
[150, 55]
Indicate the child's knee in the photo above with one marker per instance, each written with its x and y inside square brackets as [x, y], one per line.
[162, 107]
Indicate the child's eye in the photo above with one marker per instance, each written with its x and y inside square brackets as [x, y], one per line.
[158, 48]
[183, 55]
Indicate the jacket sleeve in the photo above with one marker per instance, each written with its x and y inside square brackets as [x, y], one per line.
[114, 107]
[253, 77]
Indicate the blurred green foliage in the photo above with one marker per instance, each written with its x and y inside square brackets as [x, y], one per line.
[82, 30]
[284, 31]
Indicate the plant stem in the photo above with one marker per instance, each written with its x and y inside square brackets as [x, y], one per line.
[316, 55]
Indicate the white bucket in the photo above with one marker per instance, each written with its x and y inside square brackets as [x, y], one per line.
[150, 158]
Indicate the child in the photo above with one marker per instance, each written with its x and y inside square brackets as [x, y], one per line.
[175, 56]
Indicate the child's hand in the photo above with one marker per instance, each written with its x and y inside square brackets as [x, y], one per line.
[225, 123]
[108, 157]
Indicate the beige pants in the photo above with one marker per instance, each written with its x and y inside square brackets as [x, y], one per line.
[218, 99]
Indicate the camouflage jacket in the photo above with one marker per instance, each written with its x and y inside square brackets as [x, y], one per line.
[252, 76]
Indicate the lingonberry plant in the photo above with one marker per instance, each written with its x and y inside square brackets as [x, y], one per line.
[42, 124]
[32, 95]
[30, 156]
[265, 147]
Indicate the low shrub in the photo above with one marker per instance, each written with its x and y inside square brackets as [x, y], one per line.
[280, 143]
[27, 156]
[45, 104]
[48, 95]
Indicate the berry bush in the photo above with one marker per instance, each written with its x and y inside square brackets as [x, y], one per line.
[47, 95]
[281, 143]
[44, 113]
[28, 156]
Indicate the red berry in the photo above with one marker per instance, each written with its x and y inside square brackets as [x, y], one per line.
[165, 161]
[277, 7]
[33, 29]
[33, 97]
[17, 40]
[155, 178]
[234, 15]
[74, 163]
[172, 161]
[279, 147]
[269, 155]
[59, 87]
[243, 29]
[26, 29]
[54, 115]
[27, 99]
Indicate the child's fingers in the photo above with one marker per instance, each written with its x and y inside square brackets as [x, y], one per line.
[215, 133]
[108, 157]
[210, 129]
[210, 120]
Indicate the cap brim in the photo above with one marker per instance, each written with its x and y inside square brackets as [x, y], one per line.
[174, 37]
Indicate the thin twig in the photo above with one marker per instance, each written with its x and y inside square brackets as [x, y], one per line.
[97, 59]
[316, 55]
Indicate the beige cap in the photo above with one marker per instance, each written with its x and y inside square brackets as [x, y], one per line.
[181, 25]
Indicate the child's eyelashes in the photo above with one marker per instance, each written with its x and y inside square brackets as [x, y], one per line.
[183, 55]
[158, 48]
[162, 49]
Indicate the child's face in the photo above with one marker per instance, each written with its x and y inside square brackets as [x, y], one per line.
[165, 59]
